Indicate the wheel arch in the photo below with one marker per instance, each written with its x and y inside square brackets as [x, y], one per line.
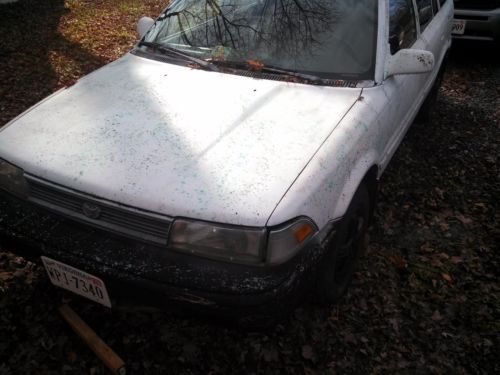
[365, 172]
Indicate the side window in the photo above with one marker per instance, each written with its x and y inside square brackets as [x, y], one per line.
[435, 7]
[441, 2]
[424, 13]
[402, 25]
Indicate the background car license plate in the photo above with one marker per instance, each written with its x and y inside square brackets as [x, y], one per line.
[77, 281]
[458, 27]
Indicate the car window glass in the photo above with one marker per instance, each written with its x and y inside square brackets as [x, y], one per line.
[435, 7]
[424, 13]
[402, 25]
[329, 38]
[441, 2]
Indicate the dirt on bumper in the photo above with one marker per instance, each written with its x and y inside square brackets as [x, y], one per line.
[150, 275]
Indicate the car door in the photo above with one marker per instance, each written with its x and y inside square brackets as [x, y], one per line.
[439, 33]
[402, 92]
[434, 34]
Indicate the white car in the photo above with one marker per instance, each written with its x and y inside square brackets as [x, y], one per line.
[231, 159]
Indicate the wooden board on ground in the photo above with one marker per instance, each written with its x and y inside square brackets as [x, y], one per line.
[99, 347]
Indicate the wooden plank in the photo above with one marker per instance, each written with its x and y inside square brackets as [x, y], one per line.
[99, 347]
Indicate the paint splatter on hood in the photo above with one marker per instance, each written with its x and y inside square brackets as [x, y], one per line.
[177, 141]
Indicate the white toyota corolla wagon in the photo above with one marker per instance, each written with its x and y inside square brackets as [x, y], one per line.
[230, 161]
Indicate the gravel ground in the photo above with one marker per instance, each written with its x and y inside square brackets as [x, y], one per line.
[426, 298]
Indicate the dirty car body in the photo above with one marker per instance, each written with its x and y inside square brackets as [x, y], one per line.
[214, 163]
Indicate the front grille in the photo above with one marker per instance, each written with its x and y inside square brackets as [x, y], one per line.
[477, 4]
[112, 217]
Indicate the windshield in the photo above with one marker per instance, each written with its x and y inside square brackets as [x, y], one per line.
[328, 38]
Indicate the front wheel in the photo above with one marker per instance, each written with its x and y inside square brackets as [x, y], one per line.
[344, 249]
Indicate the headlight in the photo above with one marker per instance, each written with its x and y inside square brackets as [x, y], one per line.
[239, 243]
[285, 242]
[219, 241]
[12, 179]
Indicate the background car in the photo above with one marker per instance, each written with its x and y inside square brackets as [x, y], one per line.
[477, 20]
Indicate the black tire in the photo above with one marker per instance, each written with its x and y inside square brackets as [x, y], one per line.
[344, 250]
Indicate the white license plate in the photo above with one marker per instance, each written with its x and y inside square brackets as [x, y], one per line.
[77, 281]
[458, 27]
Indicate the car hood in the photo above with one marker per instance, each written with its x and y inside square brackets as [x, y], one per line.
[176, 140]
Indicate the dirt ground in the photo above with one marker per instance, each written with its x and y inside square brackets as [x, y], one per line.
[426, 298]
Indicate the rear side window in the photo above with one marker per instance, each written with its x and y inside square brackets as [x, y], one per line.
[424, 13]
[402, 25]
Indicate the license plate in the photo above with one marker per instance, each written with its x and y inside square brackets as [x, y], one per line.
[77, 281]
[458, 27]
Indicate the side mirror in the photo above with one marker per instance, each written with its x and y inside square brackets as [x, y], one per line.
[144, 25]
[410, 61]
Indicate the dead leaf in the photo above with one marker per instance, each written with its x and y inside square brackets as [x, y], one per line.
[444, 226]
[444, 256]
[439, 192]
[398, 262]
[456, 260]
[6, 276]
[363, 304]
[307, 352]
[446, 277]
[190, 351]
[427, 248]
[487, 342]
[20, 273]
[72, 357]
[291, 79]
[270, 355]
[255, 65]
[491, 159]
[436, 262]
[481, 206]
[350, 339]
[464, 219]
[395, 326]
[389, 218]
[436, 316]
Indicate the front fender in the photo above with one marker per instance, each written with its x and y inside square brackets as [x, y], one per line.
[326, 186]
[356, 176]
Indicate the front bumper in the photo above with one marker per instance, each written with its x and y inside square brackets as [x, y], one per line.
[151, 275]
[481, 24]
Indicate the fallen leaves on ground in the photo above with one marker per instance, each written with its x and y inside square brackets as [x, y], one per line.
[426, 298]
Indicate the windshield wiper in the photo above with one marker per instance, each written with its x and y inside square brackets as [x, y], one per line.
[172, 51]
[269, 69]
[292, 73]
